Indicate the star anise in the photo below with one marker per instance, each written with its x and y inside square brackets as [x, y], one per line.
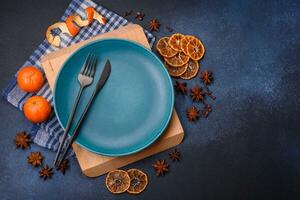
[64, 165]
[207, 110]
[192, 113]
[154, 25]
[180, 87]
[22, 140]
[161, 167]
[175, 155]
[197, 94]
[139, 15]
[35, 159]
[127, 13]
[207, 77]
[46, 172]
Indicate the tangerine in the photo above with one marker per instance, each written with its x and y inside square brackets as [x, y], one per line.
[37, 109]
[30, 79]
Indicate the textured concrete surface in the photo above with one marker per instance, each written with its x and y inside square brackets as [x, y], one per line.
[249, 146]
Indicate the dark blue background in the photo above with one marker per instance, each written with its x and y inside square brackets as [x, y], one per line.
[248, 148]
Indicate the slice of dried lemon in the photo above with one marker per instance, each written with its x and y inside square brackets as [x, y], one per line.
[178, 60]
[184, 41]
[195, 49]
[191, 71]
[164, 49]
[175, 41]
[175, 71]
[138, 181]
[117, 181]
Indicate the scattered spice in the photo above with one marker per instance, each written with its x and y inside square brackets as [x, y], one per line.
[207, 77]
[46, 172]
[64, 165]
[139, 15]
[174, 155]
[35, 159]
[128, 13]
[170, 29]
[180, 87]
[22, 140]
[192, 113]
[197, 94]
[154, 25]
[209, 93]
[161, 167]
[207, 110]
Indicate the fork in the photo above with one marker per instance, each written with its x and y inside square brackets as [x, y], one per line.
[85, 78]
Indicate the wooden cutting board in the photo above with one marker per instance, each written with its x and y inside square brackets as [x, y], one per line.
[92, 164]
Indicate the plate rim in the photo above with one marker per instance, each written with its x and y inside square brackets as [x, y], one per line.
[159, 133]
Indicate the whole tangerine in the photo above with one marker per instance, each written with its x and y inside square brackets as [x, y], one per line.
[30, 79]
[37, 109]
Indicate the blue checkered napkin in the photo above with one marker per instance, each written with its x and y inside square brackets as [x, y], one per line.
[47, 134]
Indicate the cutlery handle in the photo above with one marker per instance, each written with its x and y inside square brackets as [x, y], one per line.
[78, 125]
[70, 119]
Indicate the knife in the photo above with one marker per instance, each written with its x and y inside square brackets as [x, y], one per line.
[101, 82]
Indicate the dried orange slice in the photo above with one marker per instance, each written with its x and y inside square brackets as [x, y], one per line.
[184, 41]
[175, 71]
[175, 41]
[178, 60]
[117, 181]
[164, 49]
[138, 181]
[195, 49]
[191, 71]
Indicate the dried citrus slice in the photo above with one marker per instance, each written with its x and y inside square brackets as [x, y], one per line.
[164, 49]
[117, 181]
[138, 181]
[178, 60]
[191, 71]
[195, 49]
[184, 41]
[175, 71]
[175, 41]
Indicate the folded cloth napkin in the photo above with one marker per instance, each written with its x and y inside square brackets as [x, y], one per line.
[48, 134]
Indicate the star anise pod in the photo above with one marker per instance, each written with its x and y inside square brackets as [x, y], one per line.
[154, 25]
[174, 155]
[139, 15]
[46, 172]
[207, 110]
[192, 113]
[207, 77]
[64, 165]
[161, 167]
[35, 159]
[180, 87]
[22, 140]
[197, 94]
[127, 13]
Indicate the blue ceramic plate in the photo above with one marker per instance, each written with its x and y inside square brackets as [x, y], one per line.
[134, 107]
